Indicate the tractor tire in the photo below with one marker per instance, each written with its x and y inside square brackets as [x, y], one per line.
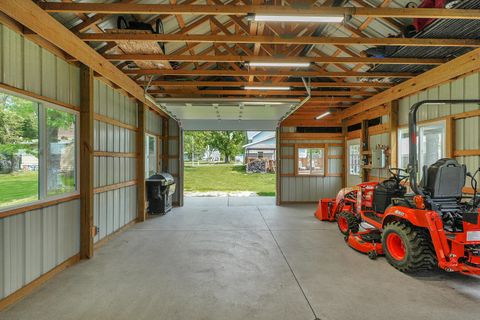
[347, 222]
[408, 248]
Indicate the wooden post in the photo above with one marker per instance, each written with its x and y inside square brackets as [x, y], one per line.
[278, 166]
[140, 143]
[450, 137]
[181, 167]
[393, 124]
[365, 145]
[345, 154]
[86, 162]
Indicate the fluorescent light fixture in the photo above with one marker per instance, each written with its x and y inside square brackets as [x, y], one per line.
[302, 18]
[266, 88]
[261, 103]
[323, 115]
[280, 64]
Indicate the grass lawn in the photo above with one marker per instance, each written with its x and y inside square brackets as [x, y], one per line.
[17, 188]
[227, 177]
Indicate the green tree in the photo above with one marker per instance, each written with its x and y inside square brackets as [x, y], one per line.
[18, 128]
[229, 143]
[195, 143]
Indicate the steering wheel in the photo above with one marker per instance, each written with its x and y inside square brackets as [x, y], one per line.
[397, 173]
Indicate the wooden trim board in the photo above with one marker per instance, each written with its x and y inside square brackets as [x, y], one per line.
[111, 121]
[114, 154]
[30, 287]
[115, 186]
[36, 206]
[114, 234]
[38, 97]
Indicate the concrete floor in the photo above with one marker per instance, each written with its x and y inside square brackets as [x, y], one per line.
[245, 258]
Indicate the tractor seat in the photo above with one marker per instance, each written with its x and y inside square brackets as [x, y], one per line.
[444, 179]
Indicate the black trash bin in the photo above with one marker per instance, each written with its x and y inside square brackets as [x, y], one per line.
[160, 190]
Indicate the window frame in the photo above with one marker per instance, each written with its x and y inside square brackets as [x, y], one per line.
[147, 159]
[423, 124]
[311, 146]
[350, 160]
[43, 196]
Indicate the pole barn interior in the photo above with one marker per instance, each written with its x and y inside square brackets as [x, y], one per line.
[91, 249]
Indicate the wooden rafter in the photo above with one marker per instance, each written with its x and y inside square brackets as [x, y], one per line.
[265, 93]
[236, 39]
[278, 84]
[460, 66]
[256, 58]
[233, 10]
[272, 73]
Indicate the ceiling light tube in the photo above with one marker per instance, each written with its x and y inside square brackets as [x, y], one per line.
[323, 115]
[259, 103]
[280, 64]
[266, 88]
[299, 18]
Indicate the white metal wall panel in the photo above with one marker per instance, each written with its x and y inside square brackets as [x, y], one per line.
[308, 189]
[116, 208]
[32, 243]
[12, 47]
[33, 67]
[467, 131]
[27, 66]
[154, 123]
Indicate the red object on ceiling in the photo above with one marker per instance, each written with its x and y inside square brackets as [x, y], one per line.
[420, 24]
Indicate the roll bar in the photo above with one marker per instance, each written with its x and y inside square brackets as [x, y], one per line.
[412, 135]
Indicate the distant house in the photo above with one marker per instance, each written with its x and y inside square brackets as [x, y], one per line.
[261, 144]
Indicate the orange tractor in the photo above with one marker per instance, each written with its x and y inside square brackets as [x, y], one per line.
[436, 225]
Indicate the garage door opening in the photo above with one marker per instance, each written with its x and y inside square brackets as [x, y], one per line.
[229, 164]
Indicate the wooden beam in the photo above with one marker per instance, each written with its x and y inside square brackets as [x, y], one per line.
[364, 146]
[467, 153]
[319, 100]
[33, 17]
[393, 124]
[234, 10]
[271, 73]
[460, 66]
[86, 162]
[140, 143]
[115, 186]
[264, 93]
[36, 206]
[292, 122]
[277, 84]
[244, 58]
[450, 137]
[304, 40]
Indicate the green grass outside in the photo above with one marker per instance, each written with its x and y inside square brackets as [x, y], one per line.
[227, 177]
[18, 188]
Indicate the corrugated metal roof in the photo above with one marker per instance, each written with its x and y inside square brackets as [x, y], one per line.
[444, 28]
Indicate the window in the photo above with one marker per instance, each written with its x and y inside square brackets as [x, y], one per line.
[61, 152]
[151, 155]
[310, 161]
[431, 143]
[354, 159]
[38, 151]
